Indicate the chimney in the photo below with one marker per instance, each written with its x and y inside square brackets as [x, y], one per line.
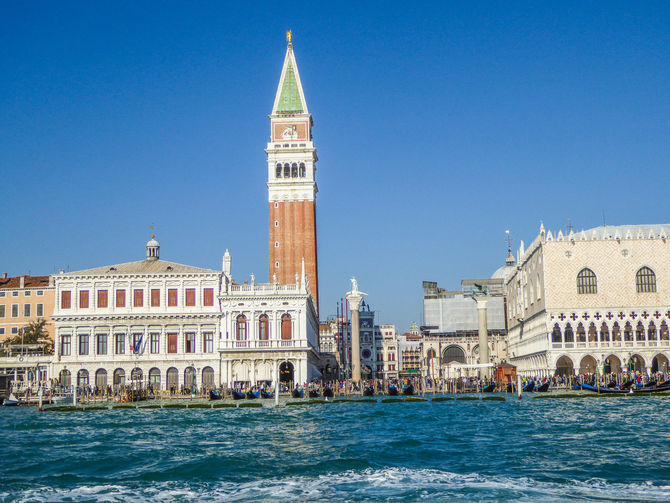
[4, 275]
[22, 282]
[51, 280]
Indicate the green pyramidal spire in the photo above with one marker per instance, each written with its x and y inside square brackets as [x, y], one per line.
[290, 98]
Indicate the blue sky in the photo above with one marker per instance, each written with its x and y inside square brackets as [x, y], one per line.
[438, 126]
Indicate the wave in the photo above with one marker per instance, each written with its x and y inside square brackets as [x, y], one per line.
[390, 484]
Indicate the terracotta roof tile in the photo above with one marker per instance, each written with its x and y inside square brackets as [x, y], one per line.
[30, 282]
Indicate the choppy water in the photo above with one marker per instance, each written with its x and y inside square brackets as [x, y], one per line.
[599, 449]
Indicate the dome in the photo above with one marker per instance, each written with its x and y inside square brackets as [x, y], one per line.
[153, 242]
[152, 248]
[502, 272]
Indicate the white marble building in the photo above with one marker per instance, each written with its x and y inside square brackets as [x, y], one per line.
[597, 298]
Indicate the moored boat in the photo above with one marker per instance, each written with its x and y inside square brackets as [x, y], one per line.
[10, 401]
[543, 387]
[314, 393]
[368, 391]
[215, 395]
[393, 391]
[490, 388]
[408, 390]
[297, 393]
[529, 387]
[253, 394]
[328, 393]
[238, 395]
[265, 394]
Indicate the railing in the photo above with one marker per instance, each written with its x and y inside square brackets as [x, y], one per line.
[264, 288]
[271, 344]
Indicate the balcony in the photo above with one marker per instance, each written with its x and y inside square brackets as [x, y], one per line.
[271, 344]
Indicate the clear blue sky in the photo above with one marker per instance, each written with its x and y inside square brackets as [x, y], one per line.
[437, 126]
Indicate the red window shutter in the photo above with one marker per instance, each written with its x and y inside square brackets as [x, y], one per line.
[120, 298]
[208, 296]
[172, 343]
[102, 298]
[83, 299]
[172, 297]
[155, 297]
[65, 299]
[190, 296]
[138, 300]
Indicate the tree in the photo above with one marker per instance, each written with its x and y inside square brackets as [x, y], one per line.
[34, 333]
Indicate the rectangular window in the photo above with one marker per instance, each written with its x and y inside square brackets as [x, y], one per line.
[65, 345]
[190, 296]
[102, 344]
[172, 297]
[83, 344]
[172, 343]
[2, 330]
[138, 298]
[155, 297]
[65, 299]
[27, 293]
[40, 293]
[3, 312]
[40, 310]
[155, 343]
[15, 330]
[26, 310]
[120, 344]
[208, 342]
[15, 310]
[83, 299]
[120, 298]
[208, 296]
[102, 298]
[15, 294]
[190, 342]
[2, 294]
[137, 343]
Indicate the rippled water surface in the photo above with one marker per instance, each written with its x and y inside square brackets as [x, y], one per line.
[594, 449]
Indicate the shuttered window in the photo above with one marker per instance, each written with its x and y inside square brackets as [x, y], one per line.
[65, 300]
[155, 297]
[172, 343]
[190, 296]
[138, 297]
[120, 298]
[102, 298]
[172, 297]
[83, 299]
[208, 296]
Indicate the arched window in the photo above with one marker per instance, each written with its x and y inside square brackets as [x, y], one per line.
[581, 334]
[639, 331]
[604, 333]
[651, 331]
[454, 354]
[155, 378]
[664, 331]
[586, 281]
[101, 378]
[241, 328]
[286, 327]
[294, 170]
[556, 334]
[616, 332]
[628, 332]
[278, 171]
[82, 378]
[287, 170]
[569, 336]
[645, 280]
[302, 170]
[263, 328]
[593, 333]
[208, 377]
[65, 378]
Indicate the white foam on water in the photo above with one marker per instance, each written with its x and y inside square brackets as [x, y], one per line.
[391, 484]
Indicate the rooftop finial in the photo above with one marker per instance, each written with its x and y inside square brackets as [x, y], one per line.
[289, 36]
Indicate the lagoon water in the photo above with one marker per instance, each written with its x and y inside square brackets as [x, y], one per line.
[593, 449]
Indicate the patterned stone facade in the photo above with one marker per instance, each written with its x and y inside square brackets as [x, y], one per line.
[596, 298]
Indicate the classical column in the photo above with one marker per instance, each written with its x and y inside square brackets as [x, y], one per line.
[483, 334]
[354, 297]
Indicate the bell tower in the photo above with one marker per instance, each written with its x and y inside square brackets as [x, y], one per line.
[291, 181]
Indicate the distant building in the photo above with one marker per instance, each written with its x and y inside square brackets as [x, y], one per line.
[389, 351]
[23, 300]
[599, 298]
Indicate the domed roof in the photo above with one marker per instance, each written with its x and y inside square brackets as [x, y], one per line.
[152, 242]
[502, 272]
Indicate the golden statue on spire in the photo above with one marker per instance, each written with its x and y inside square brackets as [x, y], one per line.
[289, 36]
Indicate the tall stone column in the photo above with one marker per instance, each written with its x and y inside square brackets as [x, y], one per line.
[483, 335]
[355, 297]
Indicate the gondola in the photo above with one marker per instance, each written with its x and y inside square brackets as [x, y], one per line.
[253, 394]
[627, 384]
[408, 390]
[393, 391]
[265, 394]
[529, 387]
[368, 391]
[297, 393]
[238, 395]
[543, 387]
[510, 388]
[626, 391]
[11, 401]
[490, 388]
[328, 393]
[215, 395]
[314, 393]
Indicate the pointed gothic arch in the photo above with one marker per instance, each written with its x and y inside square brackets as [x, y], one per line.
[556, 335]
[568, 335]
[645, 280]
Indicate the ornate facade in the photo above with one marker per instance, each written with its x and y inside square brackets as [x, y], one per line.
[598, 298]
